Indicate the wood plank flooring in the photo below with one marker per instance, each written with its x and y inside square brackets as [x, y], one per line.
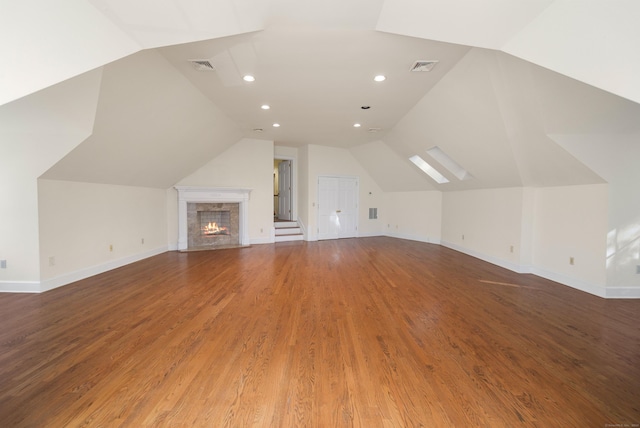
[369, 332]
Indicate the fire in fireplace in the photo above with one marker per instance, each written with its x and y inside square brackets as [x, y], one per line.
[214, 223]
[214, 229]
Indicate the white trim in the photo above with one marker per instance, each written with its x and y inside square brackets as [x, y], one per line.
[191, 194]
[59, 281]
[303, 229]
[19, 287]
[623, 292]
[596, 290]
[411, 237]
[578, 284]
[263, 240]
[514, 267]
[68, 278]
[369, 234]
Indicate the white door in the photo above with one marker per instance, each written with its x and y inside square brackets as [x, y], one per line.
[337, 207]
[284, 190]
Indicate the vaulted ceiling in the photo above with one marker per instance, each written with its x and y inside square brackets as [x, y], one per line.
[513, 82]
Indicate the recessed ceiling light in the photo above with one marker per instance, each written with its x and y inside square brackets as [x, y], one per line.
[249, 78]
[265, 107]
[380, 78]
[356, 125]
[276, 125]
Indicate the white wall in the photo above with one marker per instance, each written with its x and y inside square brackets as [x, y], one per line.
[336, 161]
[545, 227]
[246, 164]
[485, 224]
[570, 222]
[413, 215]
[35, 133]
[615, 157]
[89, 228]
[304, 204]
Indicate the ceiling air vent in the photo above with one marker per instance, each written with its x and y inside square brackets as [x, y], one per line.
[423, 65]
[375, 129]
[202, 64]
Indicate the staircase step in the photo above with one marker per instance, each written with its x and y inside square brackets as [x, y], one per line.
[287, 238]
[288, 231]
[280, 224]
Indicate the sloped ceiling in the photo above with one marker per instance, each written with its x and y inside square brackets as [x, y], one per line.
[495, 114]
[152, 128]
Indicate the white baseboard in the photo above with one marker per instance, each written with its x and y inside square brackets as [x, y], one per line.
[515, 267]
[623, 292]
[369, 235]
[578, 284]
[19, 286]
[412, 237]
[68, 278]
[172, 247]
[305, 232]
[262, 240]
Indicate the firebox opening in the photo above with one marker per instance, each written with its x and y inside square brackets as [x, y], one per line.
[214, 223]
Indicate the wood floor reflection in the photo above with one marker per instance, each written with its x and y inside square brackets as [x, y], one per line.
[367, 332]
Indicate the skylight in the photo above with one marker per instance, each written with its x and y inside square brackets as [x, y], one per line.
[452, 166]
[428, 169]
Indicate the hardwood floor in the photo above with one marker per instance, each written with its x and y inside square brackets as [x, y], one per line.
[370, 332]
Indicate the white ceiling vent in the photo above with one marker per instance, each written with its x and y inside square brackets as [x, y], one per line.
[375, 129]
[423, 65]
[202, 64]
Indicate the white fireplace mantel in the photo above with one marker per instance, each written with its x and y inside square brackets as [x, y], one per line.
[191, 194]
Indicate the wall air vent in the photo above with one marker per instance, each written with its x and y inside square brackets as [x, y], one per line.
[202, 64]
[423, 65]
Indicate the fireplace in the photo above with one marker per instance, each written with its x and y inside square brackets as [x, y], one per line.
[213, 224]
[210, 218]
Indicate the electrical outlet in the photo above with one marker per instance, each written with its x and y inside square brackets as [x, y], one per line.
[110, 247]
[52, 261]
[142, 241]
[3, 264]
[261, 231]
[463, 237]
[511, 248]
[571, 261]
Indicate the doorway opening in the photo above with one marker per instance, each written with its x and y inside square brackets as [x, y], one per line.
[283, 190]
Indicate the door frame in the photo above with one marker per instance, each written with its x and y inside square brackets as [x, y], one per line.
[357, 213]
[294, 184]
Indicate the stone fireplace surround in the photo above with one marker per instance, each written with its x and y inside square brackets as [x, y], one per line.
[192, 194]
